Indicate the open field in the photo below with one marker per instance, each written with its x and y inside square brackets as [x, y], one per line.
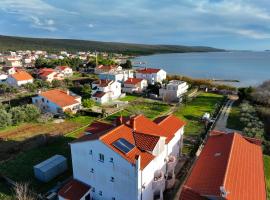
[194, 110]
[129, 98]
[267, 174]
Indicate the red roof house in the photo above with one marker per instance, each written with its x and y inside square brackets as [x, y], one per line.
[229, 167]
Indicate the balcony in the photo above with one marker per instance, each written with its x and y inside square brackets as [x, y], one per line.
[171, 163]
[170, 180]
[159, 181]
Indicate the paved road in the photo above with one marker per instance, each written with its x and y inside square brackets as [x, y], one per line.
[221, 124]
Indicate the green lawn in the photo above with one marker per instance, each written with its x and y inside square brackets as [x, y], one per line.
[129, 98]
[233, 119]
[194, 110]
[149, 108]
[267, 174]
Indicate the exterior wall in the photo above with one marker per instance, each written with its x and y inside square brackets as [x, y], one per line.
[13, 82]
[124, 173]
[175, 144]
[154, 77]
[173, 91]
[120, 76]
[48, 106]
[130, 88]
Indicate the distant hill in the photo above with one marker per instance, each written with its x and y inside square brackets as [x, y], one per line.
[54, 45]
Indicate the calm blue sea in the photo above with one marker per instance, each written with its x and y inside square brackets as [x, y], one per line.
[250, 68]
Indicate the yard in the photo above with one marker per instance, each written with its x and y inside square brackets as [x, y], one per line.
[72, 129]
[194, 110]
[267, 174]
[150, 108]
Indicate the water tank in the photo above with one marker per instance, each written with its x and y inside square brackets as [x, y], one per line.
[50, 168]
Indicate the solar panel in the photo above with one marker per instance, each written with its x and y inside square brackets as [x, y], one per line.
[123, 145]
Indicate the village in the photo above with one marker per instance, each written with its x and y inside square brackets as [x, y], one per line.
[93, 125]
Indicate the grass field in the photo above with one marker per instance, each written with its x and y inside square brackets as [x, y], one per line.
[149, 108]
[129, 98]
[267, 174]
[26, 160]
[194, 110]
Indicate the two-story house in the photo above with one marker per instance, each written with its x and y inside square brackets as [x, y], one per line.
[49, 74]
[104, 91]
[107, 69]
[57, 101]
[65, 70]
[173, 91]
[134, 85]
[133, 159]
[120, 75]
[151, 75]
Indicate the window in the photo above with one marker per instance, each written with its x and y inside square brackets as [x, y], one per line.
[91, 152]
[112, 179]
[100, 193]
[113, 198]
[92, 170]
[111, 160]
[101, 157]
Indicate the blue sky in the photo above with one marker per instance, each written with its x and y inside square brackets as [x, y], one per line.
[230, 24]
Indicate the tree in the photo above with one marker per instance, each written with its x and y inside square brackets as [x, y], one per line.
[88, 103]
[32, 112]
[30, 87]
[22, 192]
[127, 65]
[56, 83]
[86, 90]
[18, 115]
[5, 118]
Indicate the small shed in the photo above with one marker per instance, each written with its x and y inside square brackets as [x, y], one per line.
[50, 168]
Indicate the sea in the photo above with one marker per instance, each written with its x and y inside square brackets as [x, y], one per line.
[249, 68]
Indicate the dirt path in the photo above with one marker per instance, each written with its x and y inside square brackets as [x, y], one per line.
[221, 124]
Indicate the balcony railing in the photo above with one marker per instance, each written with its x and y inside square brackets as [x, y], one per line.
[159, 181]
[171, 163]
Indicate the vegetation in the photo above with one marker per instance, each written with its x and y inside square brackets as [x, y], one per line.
[267, 174]
[88, 103]
[19, 114]
[129, 98]
[192, 111]
[233, 121]
[127, 65]
[56, 45]
[74, 63]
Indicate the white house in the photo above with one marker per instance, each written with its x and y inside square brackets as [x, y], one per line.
[57, 101]
[134, 85]
[48, 74]
[13, 61]
[9, 70]
[173, 91]
[104, 91]
[151, 75]
[19, 78]
[65, 70]
[119, 75]
[134, 159]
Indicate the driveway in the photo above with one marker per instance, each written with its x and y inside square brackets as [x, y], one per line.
[221, 124]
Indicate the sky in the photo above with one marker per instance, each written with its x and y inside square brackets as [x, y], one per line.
[228, 24]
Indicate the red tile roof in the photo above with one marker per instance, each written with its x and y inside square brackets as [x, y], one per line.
[74, 190]
[59, 97]
[140, 131]
[148, 70]
[233, 162]
[171, 124]
[98, 126]
[103, 83]
[106, 67]
[45, 72]
[62, 67]
[99, 94]
[21, 76]
[133, 81]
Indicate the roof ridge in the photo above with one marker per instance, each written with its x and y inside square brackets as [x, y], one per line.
[111, 131]
[229, 159]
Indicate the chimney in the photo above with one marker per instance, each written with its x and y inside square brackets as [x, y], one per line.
[119, 121]
[133, 123]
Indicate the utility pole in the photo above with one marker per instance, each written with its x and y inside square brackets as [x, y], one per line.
[96, 58]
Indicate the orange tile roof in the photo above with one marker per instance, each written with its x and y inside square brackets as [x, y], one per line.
[74, 190]
[126, 132]
[59, 97]
[171, 124]
[21, 76]
[148, 70]
[140, 131]
[45, 72]
[103, 83]
[232, 161]
[133, 81]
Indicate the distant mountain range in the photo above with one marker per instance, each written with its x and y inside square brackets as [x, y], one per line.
[55, 45]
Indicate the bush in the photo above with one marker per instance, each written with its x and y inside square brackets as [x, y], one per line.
[18, 115]
[88, 103]
[32, 112]
[5, 118]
